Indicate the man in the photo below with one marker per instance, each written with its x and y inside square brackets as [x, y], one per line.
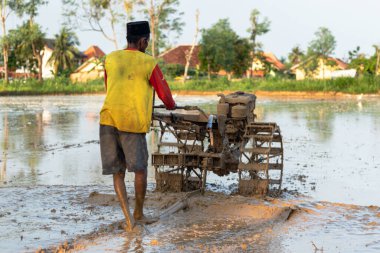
[130, 76]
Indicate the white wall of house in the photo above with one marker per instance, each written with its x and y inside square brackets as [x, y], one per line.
[320, 73]
[22, 70]
[47, 68]
[300, 74]
[323, 72]
[343, 73]
[257, 65]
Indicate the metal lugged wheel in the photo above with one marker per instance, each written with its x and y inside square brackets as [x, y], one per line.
[261, 160]
[176, 168]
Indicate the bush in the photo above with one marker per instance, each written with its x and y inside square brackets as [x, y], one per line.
[172, 70]
[364, 84]
[63, 85]
[59, 85]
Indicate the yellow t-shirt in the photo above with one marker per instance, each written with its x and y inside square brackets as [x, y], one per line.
[129, 100]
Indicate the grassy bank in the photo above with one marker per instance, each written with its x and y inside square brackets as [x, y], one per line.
[366, 85]
[55, 86]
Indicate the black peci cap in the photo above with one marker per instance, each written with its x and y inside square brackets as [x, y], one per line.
[138, 28]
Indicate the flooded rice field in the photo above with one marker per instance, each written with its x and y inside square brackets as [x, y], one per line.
[52, 191]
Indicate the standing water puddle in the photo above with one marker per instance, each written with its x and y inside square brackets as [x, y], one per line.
[50, 168]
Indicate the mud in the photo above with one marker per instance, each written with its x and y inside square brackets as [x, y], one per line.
[332, 227]
[52, 190]
[223, 223]
[239, 221]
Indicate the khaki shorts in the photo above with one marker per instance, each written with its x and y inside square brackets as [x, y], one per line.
[122, 150]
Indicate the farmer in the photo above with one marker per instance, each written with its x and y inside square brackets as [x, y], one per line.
[130, 77]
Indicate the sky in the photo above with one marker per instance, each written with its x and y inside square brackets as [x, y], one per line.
[293, 22]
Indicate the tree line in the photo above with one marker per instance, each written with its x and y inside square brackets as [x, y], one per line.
[23, 46]
[221, 47]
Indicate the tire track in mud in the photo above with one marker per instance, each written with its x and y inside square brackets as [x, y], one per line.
[57, 147]
[52, 147]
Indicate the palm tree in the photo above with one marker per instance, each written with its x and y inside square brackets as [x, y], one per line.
[257, 29]
[295, 55]
[64, 52]
[377, 48]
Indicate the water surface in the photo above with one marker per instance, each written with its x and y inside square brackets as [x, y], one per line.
[49, 156]
[331, 147]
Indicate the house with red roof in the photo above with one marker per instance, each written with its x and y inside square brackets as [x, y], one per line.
[92, 67]
[265, 64]
[177, 55]
[335, 68]
[93, 51]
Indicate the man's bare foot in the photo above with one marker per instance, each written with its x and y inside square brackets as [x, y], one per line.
[126, 227]
[135, 229]
[146, 220]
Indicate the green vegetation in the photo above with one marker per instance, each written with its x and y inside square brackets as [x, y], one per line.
[320, 49]
[27, 40]
[165, 18]
[365, 84]
[64, 53]
[101, 16]
[257, 29]
[222, 49]
[61, 85]
[55, 86]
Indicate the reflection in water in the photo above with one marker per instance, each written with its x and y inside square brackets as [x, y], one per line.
[318, 115]
[134, 244]
[40, 131]
[5, 148]
[330, 147]
[66, 120]
[319, 120]
[27, 138]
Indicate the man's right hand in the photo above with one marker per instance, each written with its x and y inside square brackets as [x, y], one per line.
[172, 109]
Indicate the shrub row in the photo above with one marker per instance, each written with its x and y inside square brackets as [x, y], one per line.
[62, 85]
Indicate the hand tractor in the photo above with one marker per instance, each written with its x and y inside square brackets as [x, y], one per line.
[192, 143]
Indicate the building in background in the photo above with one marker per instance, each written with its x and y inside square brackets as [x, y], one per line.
[48, 67]
[93, 51]
[92, 67]
[177, 55]
[335, 68]
[265, 64]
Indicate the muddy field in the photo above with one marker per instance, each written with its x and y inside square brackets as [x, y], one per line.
[52, 193]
